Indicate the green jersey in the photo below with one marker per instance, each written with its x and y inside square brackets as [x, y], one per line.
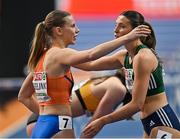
[156, 84]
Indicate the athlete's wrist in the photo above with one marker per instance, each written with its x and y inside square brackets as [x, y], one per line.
[106, 119]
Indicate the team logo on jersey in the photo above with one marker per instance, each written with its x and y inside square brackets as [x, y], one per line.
[152, 123]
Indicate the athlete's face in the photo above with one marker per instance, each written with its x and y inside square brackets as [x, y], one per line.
[70, 31]
[122, 26]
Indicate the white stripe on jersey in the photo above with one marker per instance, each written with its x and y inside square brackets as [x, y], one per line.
[152, 82]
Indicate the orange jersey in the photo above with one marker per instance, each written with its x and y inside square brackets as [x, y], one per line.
[58, 88]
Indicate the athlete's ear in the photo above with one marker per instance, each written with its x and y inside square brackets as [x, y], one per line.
[59, 30]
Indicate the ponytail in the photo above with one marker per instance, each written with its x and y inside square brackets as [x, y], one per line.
[38, 45]
[150, 40]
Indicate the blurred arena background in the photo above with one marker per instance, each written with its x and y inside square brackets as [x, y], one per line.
[95, 19]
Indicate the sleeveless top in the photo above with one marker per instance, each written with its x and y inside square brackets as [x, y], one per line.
[51, 90]
[156, 84]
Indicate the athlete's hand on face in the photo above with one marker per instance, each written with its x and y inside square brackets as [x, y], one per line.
[93, 128]
[139, 31]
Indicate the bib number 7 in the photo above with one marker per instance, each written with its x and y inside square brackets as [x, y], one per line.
[65, 122]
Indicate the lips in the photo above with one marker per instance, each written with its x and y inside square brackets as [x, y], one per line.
[75, 36]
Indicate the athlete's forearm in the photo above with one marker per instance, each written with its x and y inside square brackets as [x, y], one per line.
[108, 47]
[120, 114]
[31, 104]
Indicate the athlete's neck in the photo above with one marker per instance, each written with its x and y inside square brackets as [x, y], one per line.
[59, 43]
[132, 46]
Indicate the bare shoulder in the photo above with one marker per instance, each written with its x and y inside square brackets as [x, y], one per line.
[68, 50]
[62, 53]
[145, 59]
[62, 50]
[145, 55]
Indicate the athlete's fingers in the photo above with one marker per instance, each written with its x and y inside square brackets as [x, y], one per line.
[90, 133]
[143, 31]
[143, 28]
[87, 130]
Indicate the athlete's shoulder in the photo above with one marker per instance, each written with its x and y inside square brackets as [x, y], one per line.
[146, 55]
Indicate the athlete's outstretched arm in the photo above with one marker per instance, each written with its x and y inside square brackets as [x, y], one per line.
[104, 62]
[72, 57]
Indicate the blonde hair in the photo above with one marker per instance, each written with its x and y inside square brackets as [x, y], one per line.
[42, 36]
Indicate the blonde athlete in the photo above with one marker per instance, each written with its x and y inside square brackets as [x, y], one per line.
[85, 99]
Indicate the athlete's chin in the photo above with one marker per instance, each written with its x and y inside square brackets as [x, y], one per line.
[74, 42]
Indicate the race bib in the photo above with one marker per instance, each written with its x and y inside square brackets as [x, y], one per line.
[129, 79]
[40, 86]
[65, 122]
[163, 135]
